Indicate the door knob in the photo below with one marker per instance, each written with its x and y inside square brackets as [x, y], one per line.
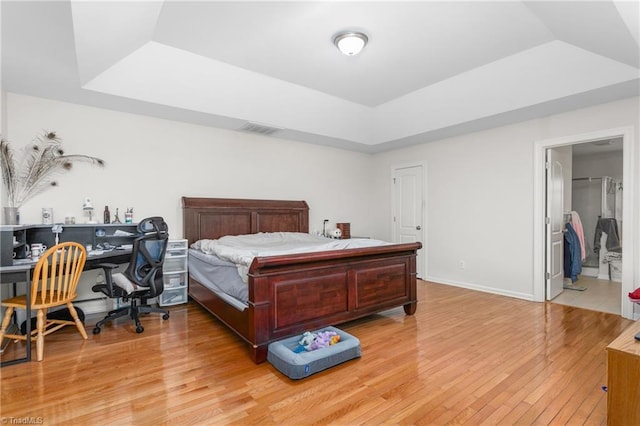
[418, 227]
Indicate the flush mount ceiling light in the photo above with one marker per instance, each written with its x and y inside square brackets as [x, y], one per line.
[349, 42]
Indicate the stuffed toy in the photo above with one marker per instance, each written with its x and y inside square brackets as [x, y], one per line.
[305, 342]
[307, 338]
[312, 341]
[324, 339]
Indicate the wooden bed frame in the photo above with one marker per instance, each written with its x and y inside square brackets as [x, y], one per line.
[290, 294]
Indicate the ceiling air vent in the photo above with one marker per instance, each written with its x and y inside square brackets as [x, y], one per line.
[261, 129]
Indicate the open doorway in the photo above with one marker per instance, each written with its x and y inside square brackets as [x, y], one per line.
[628, 213]
[595, 202]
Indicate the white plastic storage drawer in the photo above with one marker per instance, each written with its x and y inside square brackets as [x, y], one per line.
[176, 253]
[174, 264]
[173, 296]
[175, 273]
[176, 245]
[172, 280]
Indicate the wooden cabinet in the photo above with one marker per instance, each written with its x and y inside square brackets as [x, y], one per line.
[623, 378]
[175, 274]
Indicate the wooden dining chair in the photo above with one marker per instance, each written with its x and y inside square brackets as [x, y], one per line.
[54, 283]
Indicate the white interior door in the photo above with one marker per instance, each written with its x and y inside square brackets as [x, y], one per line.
[554, 225]
[408, 210]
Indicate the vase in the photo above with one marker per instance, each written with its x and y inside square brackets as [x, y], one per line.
[11, 216]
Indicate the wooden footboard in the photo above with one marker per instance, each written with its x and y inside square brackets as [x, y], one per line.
[295, 293]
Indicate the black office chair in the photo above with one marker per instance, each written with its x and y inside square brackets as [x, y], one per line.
[143, 277]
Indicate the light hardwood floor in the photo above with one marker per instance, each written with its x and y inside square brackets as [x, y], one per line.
[464, 358]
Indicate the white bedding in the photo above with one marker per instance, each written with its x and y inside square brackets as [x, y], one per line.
[241, 249]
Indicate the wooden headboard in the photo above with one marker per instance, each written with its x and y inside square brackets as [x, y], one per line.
[210, 218]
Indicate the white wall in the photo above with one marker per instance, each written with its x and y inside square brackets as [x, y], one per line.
[480, 193]
[151, 163]
[596, 165]
[480, 186]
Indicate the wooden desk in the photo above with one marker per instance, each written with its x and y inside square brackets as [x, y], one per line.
[623, 378]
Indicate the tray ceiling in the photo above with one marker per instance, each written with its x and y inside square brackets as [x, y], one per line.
[431, 69]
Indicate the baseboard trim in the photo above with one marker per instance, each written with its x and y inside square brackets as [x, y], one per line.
[484, 289]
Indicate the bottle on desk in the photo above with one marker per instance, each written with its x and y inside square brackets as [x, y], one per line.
[107, 215]
[128, 215]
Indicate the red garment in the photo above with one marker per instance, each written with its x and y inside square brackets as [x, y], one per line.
[635, 295]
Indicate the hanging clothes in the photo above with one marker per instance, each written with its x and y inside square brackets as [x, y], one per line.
[576, 223]
[610, 227]
[572, 254]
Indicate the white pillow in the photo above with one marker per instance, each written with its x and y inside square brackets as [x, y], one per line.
[123, 282]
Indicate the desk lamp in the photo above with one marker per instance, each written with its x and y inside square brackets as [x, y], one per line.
[88, 208]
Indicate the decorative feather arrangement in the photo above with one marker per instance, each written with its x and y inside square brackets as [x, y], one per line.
[41, 161]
